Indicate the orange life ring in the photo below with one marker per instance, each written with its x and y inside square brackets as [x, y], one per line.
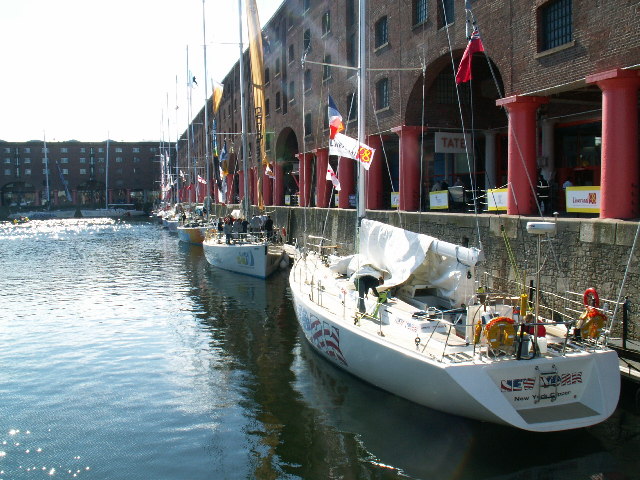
[591, 292]
[500, 332]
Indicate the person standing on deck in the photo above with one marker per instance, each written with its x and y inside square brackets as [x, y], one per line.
[365, 283]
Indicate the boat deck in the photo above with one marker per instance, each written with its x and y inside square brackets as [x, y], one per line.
[398, 322]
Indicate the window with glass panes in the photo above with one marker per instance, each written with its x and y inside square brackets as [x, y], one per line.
[307, 79]
[306, 42]
[557, 27]
[382, 93]
[445, 13]
[382, 35]
[326, 69]
[352, 106]
[326, 22]
[419, 11]
[307, 124]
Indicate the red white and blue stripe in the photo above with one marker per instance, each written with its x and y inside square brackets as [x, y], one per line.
[335, 119]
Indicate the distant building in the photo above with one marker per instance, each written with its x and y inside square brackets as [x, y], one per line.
[78, 173]
[555, 90]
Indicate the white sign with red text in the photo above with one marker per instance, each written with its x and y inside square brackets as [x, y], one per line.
[583, 199]
[446, 142]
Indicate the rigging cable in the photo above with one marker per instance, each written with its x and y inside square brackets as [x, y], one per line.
[466, 147]
[624, 277]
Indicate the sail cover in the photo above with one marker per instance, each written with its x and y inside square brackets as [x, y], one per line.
[409, 257]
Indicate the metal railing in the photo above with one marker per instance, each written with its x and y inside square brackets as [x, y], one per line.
[446, 341]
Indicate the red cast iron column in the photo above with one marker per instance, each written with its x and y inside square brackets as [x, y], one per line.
[522, 174]
[409, 166]
[346, 175]
[278, 188]
[323, 187]
[619, 153]
[305, 178]
[267, 188]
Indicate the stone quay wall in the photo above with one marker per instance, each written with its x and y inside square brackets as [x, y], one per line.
[583, 253]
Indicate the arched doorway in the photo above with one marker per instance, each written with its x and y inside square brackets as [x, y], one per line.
[460, 120]
[285, 158]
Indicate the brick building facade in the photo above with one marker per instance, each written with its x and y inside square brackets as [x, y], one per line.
[129, 173]
[555, 92]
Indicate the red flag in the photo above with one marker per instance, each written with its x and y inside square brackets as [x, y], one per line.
[464, 69]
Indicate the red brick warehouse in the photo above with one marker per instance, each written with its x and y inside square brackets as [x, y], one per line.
[555, 93]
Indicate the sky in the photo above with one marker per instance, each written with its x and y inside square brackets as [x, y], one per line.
[91, 69]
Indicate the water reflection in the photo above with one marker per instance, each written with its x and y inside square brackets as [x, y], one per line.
[422, 443]
[315, 421]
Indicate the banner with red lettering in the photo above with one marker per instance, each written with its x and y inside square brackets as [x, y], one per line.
[344, 146]
[583, 199]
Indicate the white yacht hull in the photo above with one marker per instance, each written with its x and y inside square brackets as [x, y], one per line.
[255, 259]
[509, 392]
[192, 235]
[44, 214]
[170, 224]
[111, 213]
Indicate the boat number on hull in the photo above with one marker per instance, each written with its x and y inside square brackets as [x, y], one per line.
[324, 336]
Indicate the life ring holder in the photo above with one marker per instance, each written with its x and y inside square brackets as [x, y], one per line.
[591, 292]
[500, 332]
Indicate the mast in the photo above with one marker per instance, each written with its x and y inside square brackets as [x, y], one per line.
[206, 121]
[46, 172]
[189, 125]
[167, 148]
[106, 177]
[361, 203]
[176, 197]
[245, 176]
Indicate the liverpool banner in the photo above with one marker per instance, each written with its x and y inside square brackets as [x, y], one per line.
[344, 146]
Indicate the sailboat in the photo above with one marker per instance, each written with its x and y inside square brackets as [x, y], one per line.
[258, 254]
[435, 335]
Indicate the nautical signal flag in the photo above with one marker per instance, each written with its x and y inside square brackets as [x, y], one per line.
[331, 175]
[217, 89]
[344, 146]
[474, 45]
[269, 171]
[335, 119]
